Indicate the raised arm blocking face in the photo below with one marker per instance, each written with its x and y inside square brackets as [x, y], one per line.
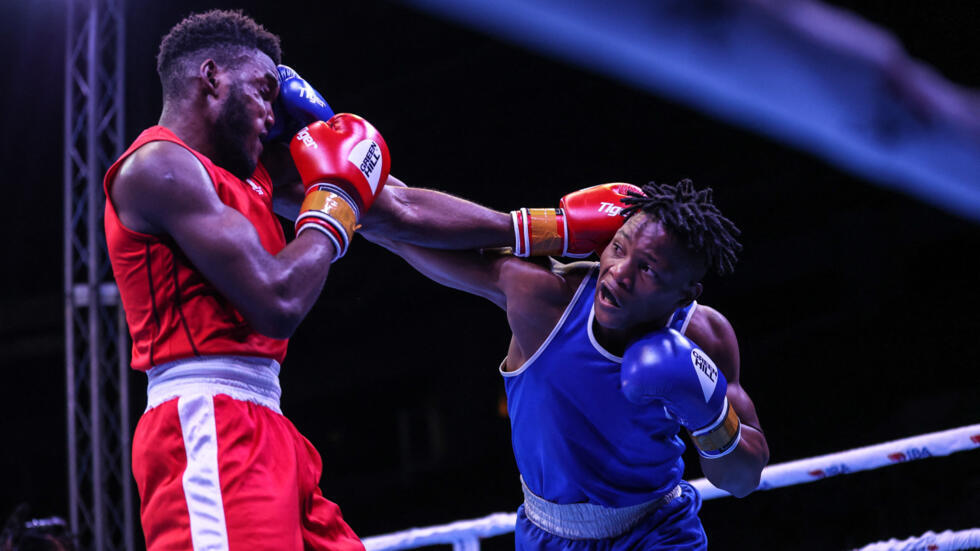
[162, 189]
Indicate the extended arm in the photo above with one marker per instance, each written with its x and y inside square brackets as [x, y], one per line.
[434, 219]
[474, 272]
[532, 293]
[419, 216]
[468, 271]
[583, 223]
[412, 215]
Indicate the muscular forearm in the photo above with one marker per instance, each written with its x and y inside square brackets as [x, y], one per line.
[436, 220]
[285, 286]
[739, 472]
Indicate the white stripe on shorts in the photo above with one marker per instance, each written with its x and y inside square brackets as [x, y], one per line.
[202, 490]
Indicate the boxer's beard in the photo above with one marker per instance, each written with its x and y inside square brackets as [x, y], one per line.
[231, 134]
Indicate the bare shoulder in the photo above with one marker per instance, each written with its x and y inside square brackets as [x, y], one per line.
[712, 331]
[573, 270]
[542, 281]
[160, 161]
[709, 327]
[160, 177]
[547, 287]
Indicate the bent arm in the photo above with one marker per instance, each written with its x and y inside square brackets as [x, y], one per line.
[163, 189]
[434, 219]
[740, 471]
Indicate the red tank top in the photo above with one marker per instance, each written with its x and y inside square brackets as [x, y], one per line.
[172, 311]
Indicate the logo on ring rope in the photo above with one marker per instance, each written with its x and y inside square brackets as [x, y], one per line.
[910, 454]
[833, 470]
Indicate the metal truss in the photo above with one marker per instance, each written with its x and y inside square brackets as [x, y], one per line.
[100, 488]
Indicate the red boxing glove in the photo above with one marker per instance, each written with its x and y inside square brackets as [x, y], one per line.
[585, 222]
[344, 164]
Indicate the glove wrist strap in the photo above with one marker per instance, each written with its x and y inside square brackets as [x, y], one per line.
[721, 437]
[539, 232]
[328, 209]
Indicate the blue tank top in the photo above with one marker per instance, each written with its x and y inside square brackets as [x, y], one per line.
[576, 437]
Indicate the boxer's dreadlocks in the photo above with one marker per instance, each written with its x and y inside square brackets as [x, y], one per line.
[222, 34]
[691, 217]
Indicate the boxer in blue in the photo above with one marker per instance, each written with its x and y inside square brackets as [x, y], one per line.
[610, 360]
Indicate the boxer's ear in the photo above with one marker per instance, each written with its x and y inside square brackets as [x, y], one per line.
[207, 73]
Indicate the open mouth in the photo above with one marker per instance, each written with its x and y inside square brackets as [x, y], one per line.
[606, 295]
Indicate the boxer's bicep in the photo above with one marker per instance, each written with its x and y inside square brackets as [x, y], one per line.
[169, 189]
[715, 335]
[499, 277]
[739, 471]
[468, 271]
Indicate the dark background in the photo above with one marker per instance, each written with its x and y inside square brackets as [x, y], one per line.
[855, 306]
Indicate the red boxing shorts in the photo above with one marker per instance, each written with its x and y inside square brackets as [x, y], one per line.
[219, 467]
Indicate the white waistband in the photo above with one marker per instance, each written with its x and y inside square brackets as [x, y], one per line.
[588, 520]
[244, 378]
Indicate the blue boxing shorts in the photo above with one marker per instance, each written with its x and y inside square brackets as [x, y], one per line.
[672, 526]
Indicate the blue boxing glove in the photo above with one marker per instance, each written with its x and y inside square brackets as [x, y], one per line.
[666, 367]
[297, 105]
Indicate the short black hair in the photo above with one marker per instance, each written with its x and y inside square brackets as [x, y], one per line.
[223, 34]
[691, 216]
[47, 534]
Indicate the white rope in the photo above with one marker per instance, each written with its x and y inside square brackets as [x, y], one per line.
[465, 534]
[930, 541]
[859, 459]
[458, 532]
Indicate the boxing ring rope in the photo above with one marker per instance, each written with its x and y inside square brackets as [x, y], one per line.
[465, 535]
[859, 459]
[965, 539]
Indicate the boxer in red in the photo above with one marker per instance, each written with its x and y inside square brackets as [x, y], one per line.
[212, 291]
